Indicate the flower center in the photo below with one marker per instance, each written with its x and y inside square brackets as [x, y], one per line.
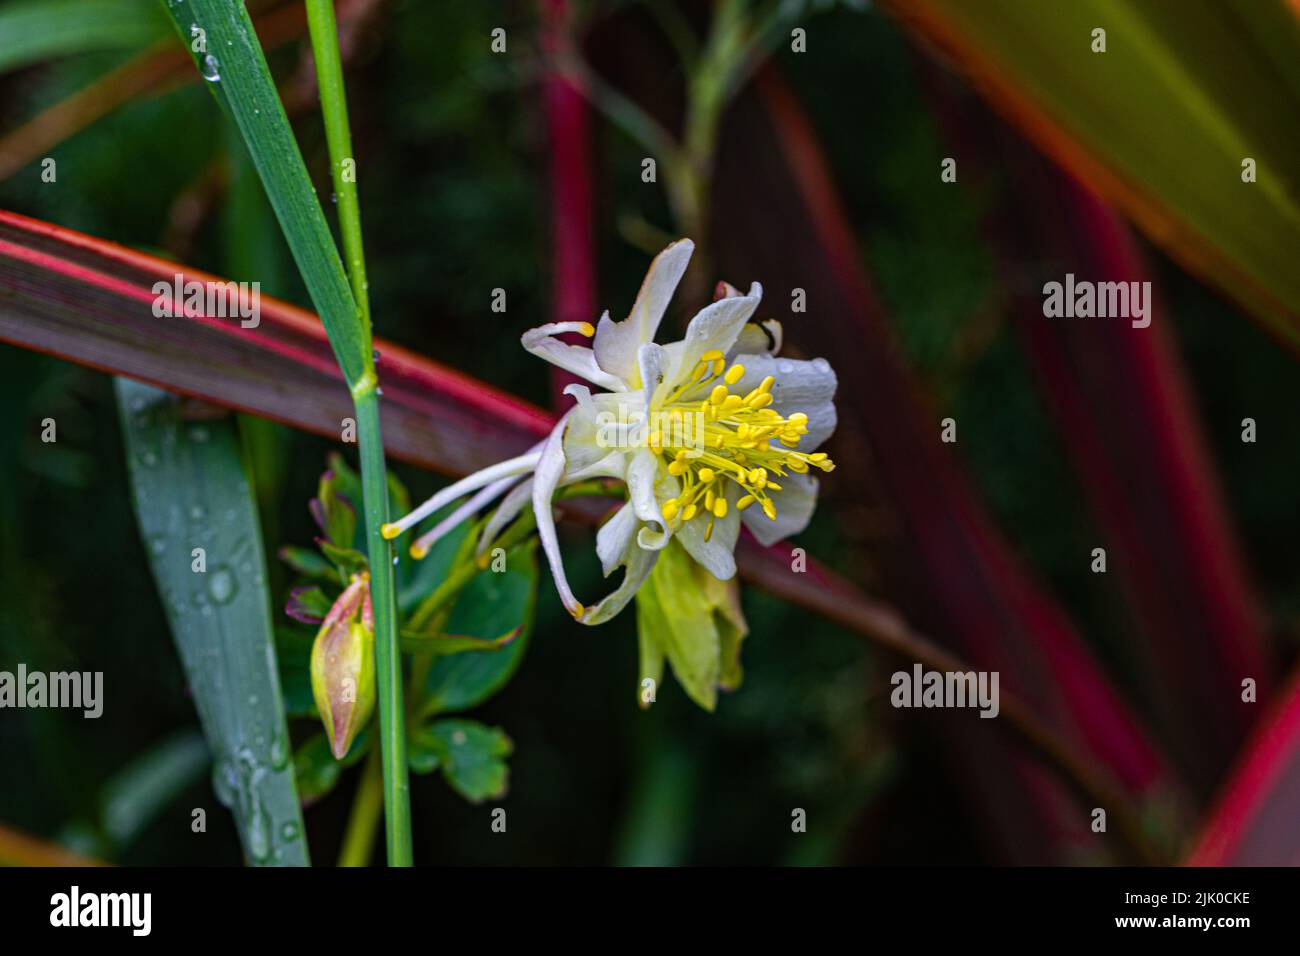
[743, 441]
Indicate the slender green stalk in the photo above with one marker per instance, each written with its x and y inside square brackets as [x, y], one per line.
[367, 806]
[374, 477]
[388, 657]
[334, 109]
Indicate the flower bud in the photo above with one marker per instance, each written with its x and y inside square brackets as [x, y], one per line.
[343, 666]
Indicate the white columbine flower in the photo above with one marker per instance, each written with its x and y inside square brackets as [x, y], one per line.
[707, 432]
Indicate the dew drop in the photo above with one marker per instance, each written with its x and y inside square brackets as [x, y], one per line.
[210, 69]
[221, 585]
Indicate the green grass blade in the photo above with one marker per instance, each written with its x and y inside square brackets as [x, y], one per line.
[35, 31]
[191, 492]
[233, 64]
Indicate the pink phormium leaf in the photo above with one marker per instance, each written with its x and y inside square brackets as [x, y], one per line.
[91, 302]
[1254, 821]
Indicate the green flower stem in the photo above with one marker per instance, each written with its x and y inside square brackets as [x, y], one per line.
[388, 658]
[363, 821]
[374, 477]
[334, 109]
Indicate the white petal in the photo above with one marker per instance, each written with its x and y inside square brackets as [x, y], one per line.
[716, 326]
[550, 469]
[578, 359]
[652, 360]
[794, 508]
[639, 565]
[502, 469]
[616, 343]
[718, 554]
[595, 441]
[615, 537]
[510, 508]
[642, 476]
[800, 386]
[464, 512]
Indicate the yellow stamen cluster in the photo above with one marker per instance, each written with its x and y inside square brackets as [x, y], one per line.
[739, 432]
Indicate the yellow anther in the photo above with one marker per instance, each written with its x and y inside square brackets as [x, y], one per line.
[720, 507]
[718, 395]
[689, 512]
[706, 474]
[766, 384]
[798, 466]
[798, 418]
[418, 552]
[677, 469]
[761, 400]
[769, 509]
[587, 329]
[745, 502]
[670, 509]
[734, 374]
[390, 531]
[718, 365]
[817, 456]
[681, 455]
[711, 355]
[709, 498]
[708, 532]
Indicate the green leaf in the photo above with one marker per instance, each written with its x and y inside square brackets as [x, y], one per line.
[39, 30]
[309, 564]
[335, 511]
[293, 653]
[137, 794]
[191, 492]
[316, 770]
[470, 755]
[445, 644]
[348, 560]
[239, 78]
[430, 571]
[492, 604]
[309, 605]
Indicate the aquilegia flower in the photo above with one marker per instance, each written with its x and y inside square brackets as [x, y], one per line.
[706, 432]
